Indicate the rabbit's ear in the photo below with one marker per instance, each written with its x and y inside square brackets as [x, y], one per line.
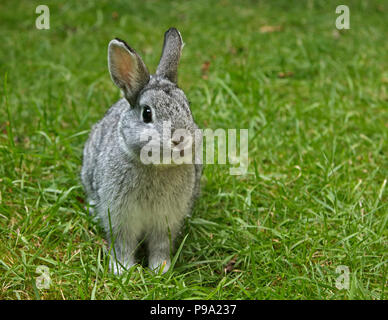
[127, 69]
[171, 53]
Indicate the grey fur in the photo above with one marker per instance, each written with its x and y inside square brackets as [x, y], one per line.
[135, 201]
[120, 54]
[171, 53]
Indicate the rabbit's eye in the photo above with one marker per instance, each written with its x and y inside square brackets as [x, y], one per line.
[147, 114]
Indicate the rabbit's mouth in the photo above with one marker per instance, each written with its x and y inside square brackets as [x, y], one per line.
[168, 154]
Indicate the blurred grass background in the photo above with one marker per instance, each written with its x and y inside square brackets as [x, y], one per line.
[315, 102]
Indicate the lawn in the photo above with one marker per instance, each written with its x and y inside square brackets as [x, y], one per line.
[315, 101]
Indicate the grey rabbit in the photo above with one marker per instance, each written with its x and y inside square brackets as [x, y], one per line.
[135, 201]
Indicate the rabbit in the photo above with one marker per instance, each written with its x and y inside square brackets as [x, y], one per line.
[135, 201]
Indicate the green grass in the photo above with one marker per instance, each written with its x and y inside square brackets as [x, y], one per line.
[315, 196]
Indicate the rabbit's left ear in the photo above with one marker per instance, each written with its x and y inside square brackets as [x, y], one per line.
[127, 69]
[171, 53]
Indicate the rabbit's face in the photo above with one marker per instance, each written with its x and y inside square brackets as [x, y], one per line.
[161, 117]
[159, 109]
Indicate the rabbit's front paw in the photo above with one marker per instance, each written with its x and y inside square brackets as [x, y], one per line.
[119, 268]
[159, 264]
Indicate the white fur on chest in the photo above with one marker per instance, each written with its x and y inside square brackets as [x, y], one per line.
[157, 203]
[139, 217]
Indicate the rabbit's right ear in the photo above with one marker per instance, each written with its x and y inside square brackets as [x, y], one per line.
[127, 69]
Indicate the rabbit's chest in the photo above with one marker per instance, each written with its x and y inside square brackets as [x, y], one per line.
[159, 201]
